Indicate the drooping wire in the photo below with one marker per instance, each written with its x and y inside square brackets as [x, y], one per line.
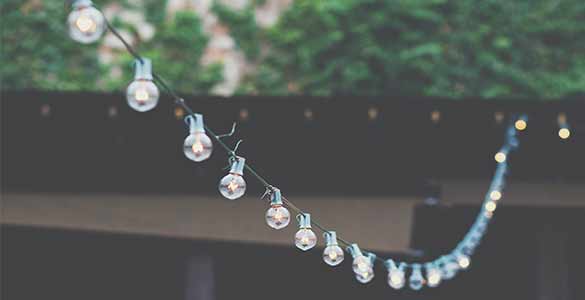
[498, 176]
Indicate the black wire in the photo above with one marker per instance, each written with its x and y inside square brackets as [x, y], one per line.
[181, 103]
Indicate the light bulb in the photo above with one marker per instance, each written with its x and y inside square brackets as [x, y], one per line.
[416, 280]
[396, 275]
[448, 267]
[86, 23]
[500, 157]
[433, 275]
[520, 124]
[496, 195]
[197, 146]
[233, 186]
[462, 260]
[142, 94]
[277, 216]
[564, 133]
[360, 262]
[490, 206]
[333, 254]
[305, 238]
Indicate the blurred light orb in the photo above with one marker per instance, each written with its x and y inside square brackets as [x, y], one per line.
[86, 23]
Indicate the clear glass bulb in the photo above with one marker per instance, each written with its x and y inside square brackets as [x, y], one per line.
[366, 276]
[433, 276]
[305, 239]
[361, 264]
[86, 24]
[232, 186]
[396, 278]
[142, 95]
[277, 217]
[463, 261]
[416, 279]
[333, 255]
[197, 147]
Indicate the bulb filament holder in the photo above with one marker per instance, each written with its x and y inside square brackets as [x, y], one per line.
[195, 123]
[238, 165]
[330, 238]
[143, 69]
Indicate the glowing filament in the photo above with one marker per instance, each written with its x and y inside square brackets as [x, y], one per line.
[490, 206]
[463, 262]
[520, 124]
[141, 95]
[197, 147]
[333, 255]
[495, 195]
[85, 24]
[500, 157]
[232, 186]
[564, 133]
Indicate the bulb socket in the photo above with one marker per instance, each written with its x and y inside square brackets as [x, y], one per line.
[390, 264]
[304, 220]
[276, 198]
[195, 123]
[238, 165]
[143, 69]
[354, 250]
[79, 4]
[330, 238]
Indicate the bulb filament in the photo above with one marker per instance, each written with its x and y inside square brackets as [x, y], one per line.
[85, 24]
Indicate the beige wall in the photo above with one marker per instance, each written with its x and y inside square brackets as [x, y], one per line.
[376, 223]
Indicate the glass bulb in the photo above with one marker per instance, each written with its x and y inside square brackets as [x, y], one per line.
[564, 133]
[463, 261]
[396, 278]
[86, 24]
[361, 264]
[365, 276]
[500, 157]
[416, 279]
[142, 95]
[433, 276]
[305, 239]
[277, 217]
[232, 186]
[333, 255]
[197, 147]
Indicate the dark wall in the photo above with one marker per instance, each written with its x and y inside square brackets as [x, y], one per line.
[77, 146]
[54, 264]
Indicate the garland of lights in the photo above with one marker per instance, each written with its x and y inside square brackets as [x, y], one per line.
[87, 24]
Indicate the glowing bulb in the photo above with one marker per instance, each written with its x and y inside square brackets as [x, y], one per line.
[86, 23]
[463, 260]
[500, 157]
[433, 275]
[333, 254]
[277, 216]
[496, 195]
[142, 94]
[305, 238]
[197, 146]
[416, 280]
[520, 124]
[396, 275]
[233, 186]
[365, 277]
[490, 206]
[564, 133]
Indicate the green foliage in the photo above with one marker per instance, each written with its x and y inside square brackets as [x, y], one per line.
[37, 53]
[491, 48]
[442, 48]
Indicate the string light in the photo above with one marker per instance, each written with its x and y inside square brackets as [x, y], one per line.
[142, 94]
[396, 274]
[496, 195]
[305, 238]
[333, 254]
[521, 123]
[564, 130]
[416, 280]
[197, 145]
[433, 275]
[277, 216]
[86, 23]
[233, 186]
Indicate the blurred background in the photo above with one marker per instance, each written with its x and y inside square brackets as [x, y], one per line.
[381, 118]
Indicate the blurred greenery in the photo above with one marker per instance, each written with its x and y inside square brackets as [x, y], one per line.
[490, 48]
